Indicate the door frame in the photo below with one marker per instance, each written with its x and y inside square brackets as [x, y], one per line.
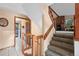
[25, 18]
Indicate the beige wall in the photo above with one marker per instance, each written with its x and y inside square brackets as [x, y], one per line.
[7, 33]
[35, 28]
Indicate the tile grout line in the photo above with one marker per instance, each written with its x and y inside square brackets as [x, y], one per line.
[16, 52]
[8, 51]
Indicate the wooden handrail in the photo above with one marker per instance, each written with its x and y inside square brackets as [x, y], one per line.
[48, 31]
[52, 19]
[53, 11]
[50, 14]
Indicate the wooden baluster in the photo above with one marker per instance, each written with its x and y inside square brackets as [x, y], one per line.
[39, 46]
[23, 43]
[28, 35]
[34, 46]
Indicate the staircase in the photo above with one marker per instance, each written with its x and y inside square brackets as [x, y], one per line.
[61, 45]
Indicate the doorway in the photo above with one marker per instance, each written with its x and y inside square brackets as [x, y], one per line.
[65, 23]
[22, 26]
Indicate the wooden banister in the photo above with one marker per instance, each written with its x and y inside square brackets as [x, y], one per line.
[37, 45]
[34, 46]
[50, 14]
[52, 19]
[28, 42]
[48, 31]
[53, 11]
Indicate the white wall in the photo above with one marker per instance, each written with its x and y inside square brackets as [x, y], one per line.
[76, 46]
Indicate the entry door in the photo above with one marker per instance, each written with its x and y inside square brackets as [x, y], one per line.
[77, 21]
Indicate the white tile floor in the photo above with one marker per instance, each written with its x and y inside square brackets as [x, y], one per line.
[12, 51]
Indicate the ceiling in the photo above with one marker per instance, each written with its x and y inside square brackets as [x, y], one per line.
[32, 9]
[64, 8]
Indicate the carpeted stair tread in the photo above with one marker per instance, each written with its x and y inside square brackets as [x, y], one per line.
[62, 45]
[66, 40]
[64, 35]
[51, 53]
[60, 51]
